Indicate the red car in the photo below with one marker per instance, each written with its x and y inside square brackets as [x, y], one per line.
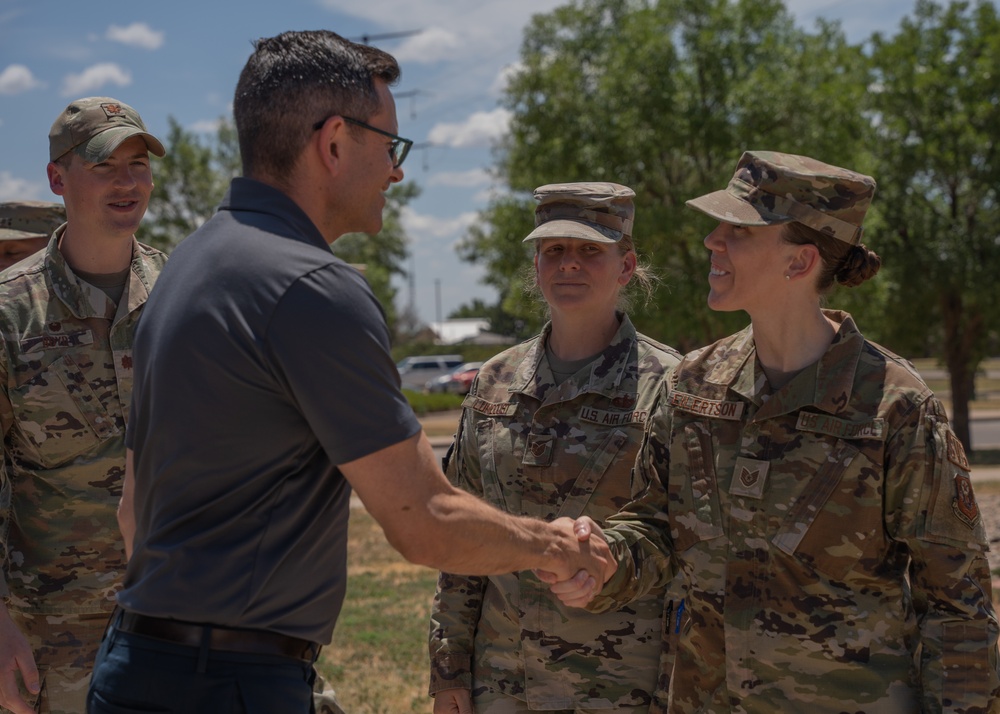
[461, 378]
[458, 381]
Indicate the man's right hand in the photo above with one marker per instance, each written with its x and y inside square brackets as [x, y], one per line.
[584, 584]
[588, 551]
[15, 656]
[453, 701]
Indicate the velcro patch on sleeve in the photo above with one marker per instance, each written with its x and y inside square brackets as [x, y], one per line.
[482, 406]
[955, 453]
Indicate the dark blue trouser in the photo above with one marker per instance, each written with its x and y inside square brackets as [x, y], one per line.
[135, 674]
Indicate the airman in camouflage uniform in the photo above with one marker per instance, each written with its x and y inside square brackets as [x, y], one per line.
[25, 228]
[532, 443]
[826, 526]
[65, 387]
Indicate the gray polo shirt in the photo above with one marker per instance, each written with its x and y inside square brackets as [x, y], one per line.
[261, 363]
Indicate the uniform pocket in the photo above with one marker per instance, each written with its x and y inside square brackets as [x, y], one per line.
[493, 489]
[586, 483]
[963, 644]
[837, 520]
[58, 413]
[692, 491]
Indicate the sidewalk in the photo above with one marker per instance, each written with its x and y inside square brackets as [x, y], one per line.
[985, 473]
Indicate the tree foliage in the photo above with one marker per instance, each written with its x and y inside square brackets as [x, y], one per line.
[383, 255]
[190, 182]
[935, 105]
[663, 97]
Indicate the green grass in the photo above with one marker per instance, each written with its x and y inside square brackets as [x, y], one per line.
[428, 403]
[377, 662]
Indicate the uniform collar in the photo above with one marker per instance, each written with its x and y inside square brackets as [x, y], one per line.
[252, 196]
[607, 373]
[83, 299]
[825, 385]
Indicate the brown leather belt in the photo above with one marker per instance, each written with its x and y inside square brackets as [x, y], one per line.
[225, 639]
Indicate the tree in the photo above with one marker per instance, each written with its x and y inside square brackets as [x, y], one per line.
[936, 108]
[663, 97]
[192, 179]
[382, 255]
[495, 241]
[190, 182]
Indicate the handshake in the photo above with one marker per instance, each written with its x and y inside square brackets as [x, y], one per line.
[594, 564]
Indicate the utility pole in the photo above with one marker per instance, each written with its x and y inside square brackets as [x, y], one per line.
[437, 298]
[413, 284]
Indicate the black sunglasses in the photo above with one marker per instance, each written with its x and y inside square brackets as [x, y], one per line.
[398, 149]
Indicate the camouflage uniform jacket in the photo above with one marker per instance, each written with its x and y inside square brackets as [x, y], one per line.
[832, 548]
[536, 449]
[66, 372]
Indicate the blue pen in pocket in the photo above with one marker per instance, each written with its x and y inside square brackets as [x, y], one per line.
[677, 619]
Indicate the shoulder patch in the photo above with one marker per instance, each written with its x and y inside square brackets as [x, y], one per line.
[706, 407]
[841, 428]
[955, 452]
[965, 505]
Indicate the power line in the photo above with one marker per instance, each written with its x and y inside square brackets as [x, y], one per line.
[367, 39]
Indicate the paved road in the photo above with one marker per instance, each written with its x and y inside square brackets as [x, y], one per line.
[986, 432]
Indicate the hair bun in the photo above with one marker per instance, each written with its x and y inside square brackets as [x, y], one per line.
[860, 264]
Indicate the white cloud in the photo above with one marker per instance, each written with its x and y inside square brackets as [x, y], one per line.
[429, 46]
[488, 194]
[17, 78]
[95, 77]
[205, 126]
[461, 179]
[138, 34]
[442, 280]
[504, 76]
[480, 29]
[421, 226]
[13, 188]
[480, 129]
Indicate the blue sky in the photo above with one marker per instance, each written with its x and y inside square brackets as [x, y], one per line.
[181, 58]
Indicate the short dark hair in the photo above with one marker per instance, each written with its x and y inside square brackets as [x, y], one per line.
[294, 80]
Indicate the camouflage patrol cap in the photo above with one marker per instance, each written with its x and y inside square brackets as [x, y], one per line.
[772, 188]
[600, 212]
[95, 126]
[30, 219]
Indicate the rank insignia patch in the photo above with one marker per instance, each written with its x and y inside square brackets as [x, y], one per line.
[113, 110]
[749, 477]
[539, 451]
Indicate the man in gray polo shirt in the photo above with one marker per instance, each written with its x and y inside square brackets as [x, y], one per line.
[264, 392]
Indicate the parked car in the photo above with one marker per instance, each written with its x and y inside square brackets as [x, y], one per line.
[416, 371]
[458, 381]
